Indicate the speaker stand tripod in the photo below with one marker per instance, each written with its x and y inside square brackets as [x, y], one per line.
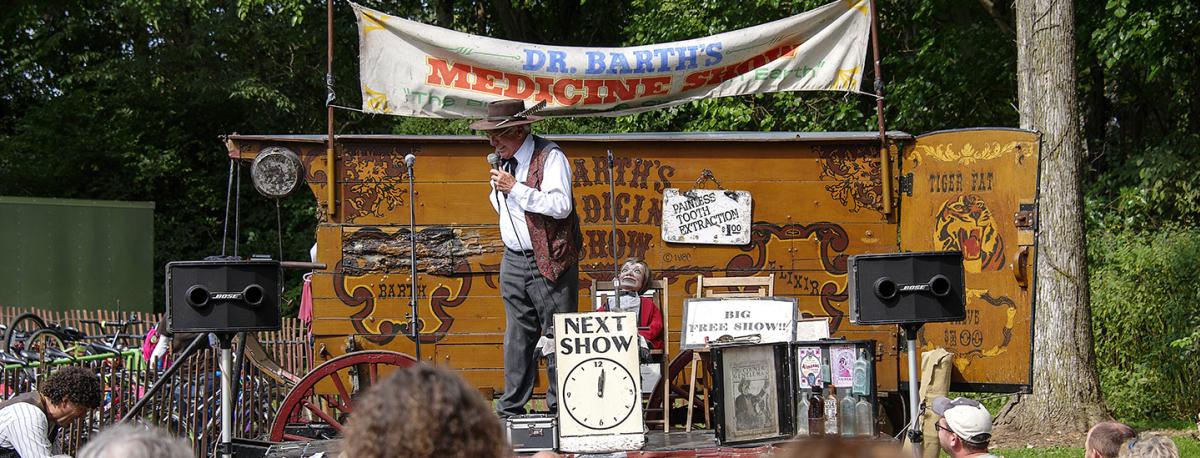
[915, 436]
[225, 448]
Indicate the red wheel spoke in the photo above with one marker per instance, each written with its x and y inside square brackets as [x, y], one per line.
[341, 387]
[321, 413]
[336, 402]
[373, 372]
[293, 437]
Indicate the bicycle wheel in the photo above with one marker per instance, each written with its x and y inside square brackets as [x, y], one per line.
[49, 343]
[20, 329]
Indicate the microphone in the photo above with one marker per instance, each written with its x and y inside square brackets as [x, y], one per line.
[409, 160]
[494, 160]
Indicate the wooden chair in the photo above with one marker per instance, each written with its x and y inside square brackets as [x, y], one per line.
[735, 286]
[659, 291]
[721, 287]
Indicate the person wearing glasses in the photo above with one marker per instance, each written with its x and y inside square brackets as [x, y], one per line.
[539, 273]
[965, 427]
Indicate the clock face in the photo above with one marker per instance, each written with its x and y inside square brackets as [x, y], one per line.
[599, 393]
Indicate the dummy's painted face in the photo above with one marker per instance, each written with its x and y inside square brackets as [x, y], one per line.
[632, 276]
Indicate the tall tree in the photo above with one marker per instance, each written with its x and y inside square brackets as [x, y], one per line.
[1066, 388]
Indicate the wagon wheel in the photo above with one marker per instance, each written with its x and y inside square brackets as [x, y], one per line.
[677, 376]
[333, 409]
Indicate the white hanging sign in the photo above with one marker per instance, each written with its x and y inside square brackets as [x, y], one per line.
[714, 217]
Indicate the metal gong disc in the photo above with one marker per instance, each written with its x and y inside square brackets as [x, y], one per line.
[276, 171]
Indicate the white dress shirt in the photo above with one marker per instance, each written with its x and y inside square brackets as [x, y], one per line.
[553, 200]
[23, 428]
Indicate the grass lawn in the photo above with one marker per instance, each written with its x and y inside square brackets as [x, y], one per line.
[1187, 447]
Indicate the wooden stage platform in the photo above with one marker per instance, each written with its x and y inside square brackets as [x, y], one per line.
[678, 444]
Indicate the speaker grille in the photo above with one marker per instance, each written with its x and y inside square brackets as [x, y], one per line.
[904, 288]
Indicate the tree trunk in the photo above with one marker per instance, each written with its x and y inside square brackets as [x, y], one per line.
[1066, 388]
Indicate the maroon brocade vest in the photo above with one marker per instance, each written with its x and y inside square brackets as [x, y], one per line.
[556, 242]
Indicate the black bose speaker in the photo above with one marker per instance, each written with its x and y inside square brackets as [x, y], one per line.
[907, 288]
[225, 296]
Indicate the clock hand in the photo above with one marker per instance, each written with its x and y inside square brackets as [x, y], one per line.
[600, 385]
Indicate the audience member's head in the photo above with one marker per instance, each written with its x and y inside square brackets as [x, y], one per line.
[1149, 445]
[837, 447]
[965, 427]
[130, 441]
[423, 411]
[1104, 440]
[70, 393]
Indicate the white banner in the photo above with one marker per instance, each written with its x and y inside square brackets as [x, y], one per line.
[412, 69]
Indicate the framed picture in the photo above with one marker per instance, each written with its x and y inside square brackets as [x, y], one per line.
[812, 329]
[752, 393]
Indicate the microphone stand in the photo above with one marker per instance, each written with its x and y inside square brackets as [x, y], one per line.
[414, 321]
[612, 208]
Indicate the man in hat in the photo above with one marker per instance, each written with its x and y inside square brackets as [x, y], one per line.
[965, 427]
[539, 275]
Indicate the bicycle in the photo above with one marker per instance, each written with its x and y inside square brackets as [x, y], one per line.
[29, 332]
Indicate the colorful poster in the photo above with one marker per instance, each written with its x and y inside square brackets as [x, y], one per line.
[408, 68]
[808, 364]
[841, 361]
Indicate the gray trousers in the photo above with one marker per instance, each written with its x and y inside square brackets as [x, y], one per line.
[530, 302]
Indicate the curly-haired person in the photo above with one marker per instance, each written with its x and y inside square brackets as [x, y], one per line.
[423, 411]
[30, 421]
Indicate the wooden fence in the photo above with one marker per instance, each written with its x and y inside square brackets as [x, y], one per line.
[188, 405]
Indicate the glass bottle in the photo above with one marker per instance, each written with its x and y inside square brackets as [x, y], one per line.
[831, 411]
[848, 415]
[862, 379]
[802, 414]
[816, 412]
[865, 417]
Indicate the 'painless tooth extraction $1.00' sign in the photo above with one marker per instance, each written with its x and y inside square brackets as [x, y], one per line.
[712, 217]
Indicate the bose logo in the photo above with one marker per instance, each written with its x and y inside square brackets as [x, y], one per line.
[914, 287]
[227, 296]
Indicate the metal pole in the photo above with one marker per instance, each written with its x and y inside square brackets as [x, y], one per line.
[885, 160]
[415, 324]
[226, 398]
[612, 209]
[915, 436]
[330, 164]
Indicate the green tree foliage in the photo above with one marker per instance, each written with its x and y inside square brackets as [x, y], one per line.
[1144, 291]
[1141, 94]
[128, 99]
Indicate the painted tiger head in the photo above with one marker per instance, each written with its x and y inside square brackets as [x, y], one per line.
[966, 225]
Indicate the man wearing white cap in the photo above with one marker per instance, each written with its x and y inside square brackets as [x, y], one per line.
[965, 427]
